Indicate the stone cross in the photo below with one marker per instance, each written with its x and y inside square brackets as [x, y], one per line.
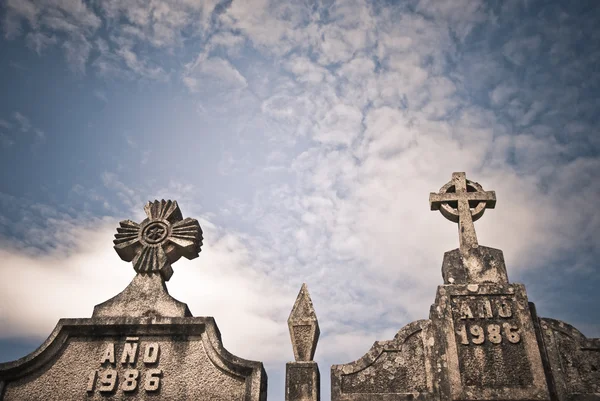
[159, 240]
[463, 201]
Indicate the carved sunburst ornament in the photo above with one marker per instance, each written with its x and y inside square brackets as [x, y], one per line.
[160, 240]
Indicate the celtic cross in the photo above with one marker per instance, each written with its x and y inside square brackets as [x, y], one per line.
[463, 201]
[159, 240]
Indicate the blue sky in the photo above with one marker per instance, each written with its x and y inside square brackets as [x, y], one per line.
[305, 136]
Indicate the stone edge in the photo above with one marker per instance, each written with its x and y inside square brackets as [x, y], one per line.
[253, 372]
[378, 347]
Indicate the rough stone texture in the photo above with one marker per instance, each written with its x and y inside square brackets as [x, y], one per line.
[483, 339]
[141, 344]
[303, 326]
[189, 354]
[489, 341]
[302, 381]
[145, 296]
[160, 240]
[302, 377]
[573, 361]
[463, 201]
[478, 265]
[399, 369]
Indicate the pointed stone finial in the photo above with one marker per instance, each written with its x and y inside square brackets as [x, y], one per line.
[160, 240]
[304, 327]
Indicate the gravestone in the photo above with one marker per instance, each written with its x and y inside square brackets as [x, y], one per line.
[483, 339]
[141, 344]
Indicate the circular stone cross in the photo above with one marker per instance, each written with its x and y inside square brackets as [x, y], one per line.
[463, 201]
[155, 232]
[450, 209]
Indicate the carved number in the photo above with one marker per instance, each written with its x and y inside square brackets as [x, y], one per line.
[152, 379]
[494, 334]
[130, 383]
[478, 335]
[511, 332]
[91, 381]
[108, 380]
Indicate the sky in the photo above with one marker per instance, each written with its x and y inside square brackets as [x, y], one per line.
[305, 137]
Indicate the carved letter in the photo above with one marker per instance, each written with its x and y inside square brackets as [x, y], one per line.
[504, 309]
[129, 353]
[151, 353]
[109, 354]
[465, 311]
[487, 308]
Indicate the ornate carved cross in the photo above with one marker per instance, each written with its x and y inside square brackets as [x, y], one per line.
[463, 201]
[160, 240]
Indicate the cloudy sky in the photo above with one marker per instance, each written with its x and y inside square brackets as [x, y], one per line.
[305, 136]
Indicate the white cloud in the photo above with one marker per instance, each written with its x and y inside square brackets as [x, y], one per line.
[208, 72]
[6, 141]
[363, 112]
[38, 41]
[221, 282]
[23, 121]
[73, 19]
[5, 124]
[16, 11]
[339, 126]
[140, 67]
[388, 131]
[77, 50]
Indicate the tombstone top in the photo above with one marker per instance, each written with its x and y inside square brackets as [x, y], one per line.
[160, 240]
[463, 201]
[304, 327]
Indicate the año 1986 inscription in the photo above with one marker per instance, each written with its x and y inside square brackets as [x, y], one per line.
[489, 339]
[472, 310]
[108, 379]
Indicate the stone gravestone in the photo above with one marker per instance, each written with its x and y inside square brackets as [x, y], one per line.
[483, 339]
[143, 343]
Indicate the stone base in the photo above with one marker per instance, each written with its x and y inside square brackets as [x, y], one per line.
[302, 381]
[145, 296]
[478, 266]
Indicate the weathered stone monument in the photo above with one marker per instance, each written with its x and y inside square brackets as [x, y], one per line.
[483, 339]
[141, 344]
[302, 377]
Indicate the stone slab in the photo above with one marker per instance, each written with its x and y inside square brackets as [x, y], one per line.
[394, 370]
[573, 361]
[136, 358]
[491, 349]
